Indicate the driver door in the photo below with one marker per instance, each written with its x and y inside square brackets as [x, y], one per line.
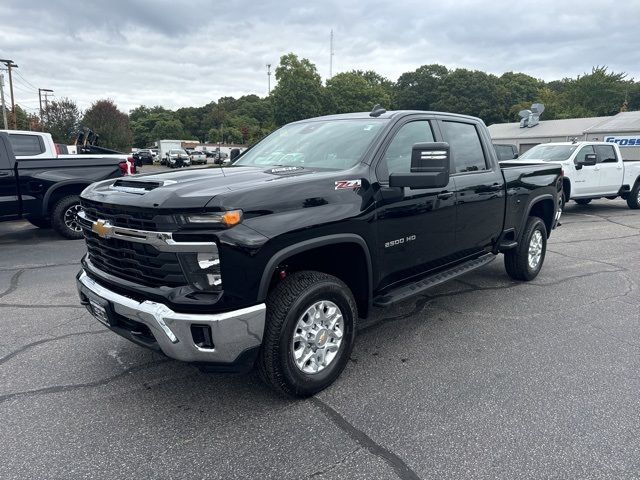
[586, 180]
[415, 227]
[8, 186]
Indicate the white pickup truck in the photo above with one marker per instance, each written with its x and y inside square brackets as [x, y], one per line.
[591, 170]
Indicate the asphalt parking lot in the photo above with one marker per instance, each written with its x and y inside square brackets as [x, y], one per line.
[481, 378]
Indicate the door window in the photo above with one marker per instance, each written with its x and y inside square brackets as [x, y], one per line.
[397, 158]
[583, 152]
[466, 148]
[606, 154]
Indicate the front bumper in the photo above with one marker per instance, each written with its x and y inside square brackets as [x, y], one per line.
[236, 335]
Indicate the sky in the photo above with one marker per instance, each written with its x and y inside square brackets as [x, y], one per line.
[174, 54]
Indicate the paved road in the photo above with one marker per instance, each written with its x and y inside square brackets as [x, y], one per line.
[482, 378]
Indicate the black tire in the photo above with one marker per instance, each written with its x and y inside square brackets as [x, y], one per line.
[562, 200]
[516, 260]
[633, 200]
[60, 217]
[39, 222]
[583, 201]
[286, 304]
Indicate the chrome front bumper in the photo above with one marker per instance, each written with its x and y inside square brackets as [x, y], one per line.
[233, 333]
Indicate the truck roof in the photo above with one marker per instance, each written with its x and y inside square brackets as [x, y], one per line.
[387, 115]
[584, 142]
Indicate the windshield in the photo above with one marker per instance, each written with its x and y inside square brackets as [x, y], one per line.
[331, 144]
[549, 153]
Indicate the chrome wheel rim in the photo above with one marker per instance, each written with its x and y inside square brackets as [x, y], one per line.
[317, 337]
[71, 218]
[638, 197]
[535, 250]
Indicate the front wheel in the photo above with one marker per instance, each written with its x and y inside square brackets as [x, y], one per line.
[64, 217]
[633, 200]
[525, 261]
[309, 333]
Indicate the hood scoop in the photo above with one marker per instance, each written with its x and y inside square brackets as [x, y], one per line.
[139, 187]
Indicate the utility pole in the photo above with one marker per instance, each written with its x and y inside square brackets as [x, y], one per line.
[40, 90]
[331, 54]
[268, 79]
[4, 107]
[10, 65]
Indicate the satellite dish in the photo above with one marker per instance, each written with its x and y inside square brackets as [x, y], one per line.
[537, 108]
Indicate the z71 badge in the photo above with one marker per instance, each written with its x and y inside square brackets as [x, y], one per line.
[348, 184]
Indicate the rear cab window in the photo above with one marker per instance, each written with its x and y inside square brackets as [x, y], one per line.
[26, 145]
[466, 147]
[606, 154]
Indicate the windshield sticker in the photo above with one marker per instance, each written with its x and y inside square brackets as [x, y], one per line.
[285, 169]
[348, 184]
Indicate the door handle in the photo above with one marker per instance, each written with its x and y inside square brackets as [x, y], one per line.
[5, 174]
[495, 187]
[445, 195]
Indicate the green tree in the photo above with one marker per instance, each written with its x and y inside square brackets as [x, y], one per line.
[518, 89]
[472, 93]
[418, 90]
[357, 91]
[61, 120]
[168, 129]
[299, 92]
[599, 93]
[112, 125]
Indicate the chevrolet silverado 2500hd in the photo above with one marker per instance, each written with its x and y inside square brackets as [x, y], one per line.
[272, 260]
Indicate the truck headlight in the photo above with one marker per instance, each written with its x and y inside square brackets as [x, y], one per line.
[202, 270]
[211, 219]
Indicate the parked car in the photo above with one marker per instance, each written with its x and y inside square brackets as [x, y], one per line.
[177, 158]
[505, 151]
[145, 156]
[591, 170]
[198, 157]
[45, 191]
[273, 260]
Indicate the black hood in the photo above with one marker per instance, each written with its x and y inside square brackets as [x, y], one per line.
[194, 188]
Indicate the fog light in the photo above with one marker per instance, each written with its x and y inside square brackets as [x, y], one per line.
[202, 269]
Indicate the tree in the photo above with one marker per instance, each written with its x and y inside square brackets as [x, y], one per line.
[299, 92]
[168, 129]
[61, 120]
[517, 89]
[357, 91]
[472, 93]
[112, 125]
[599, 93]
[418, 90]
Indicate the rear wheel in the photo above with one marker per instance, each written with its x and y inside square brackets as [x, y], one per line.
[309, 333]
[525, 261]
[633, 200]
[64, 217]
[583, 201]
[39, 222]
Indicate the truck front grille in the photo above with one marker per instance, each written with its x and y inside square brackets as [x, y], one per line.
[136, 262]
[121, 217]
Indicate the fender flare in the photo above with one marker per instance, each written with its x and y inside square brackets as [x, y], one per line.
[47, 196]
[532, 203]
[309, 245]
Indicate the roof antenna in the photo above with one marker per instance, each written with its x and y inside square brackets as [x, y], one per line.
[377, 111]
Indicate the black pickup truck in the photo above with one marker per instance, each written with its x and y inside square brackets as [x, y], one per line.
[46, 191]
[272, 260]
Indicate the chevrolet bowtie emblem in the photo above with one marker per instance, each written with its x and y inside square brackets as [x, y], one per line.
[103, 228]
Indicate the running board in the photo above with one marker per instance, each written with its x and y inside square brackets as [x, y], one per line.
[406, 291]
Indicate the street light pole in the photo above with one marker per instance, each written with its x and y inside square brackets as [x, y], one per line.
[4, 107]
[40, 90]
[268, 79]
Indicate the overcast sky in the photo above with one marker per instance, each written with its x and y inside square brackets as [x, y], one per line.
[172, 53]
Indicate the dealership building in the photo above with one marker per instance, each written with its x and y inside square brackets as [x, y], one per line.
[623, 129]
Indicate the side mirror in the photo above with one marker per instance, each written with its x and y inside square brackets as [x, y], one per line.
[516, 155]
[589, 160]
[235, 153]
[429, 167]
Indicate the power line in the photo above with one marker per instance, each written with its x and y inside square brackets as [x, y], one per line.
[26, 81]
